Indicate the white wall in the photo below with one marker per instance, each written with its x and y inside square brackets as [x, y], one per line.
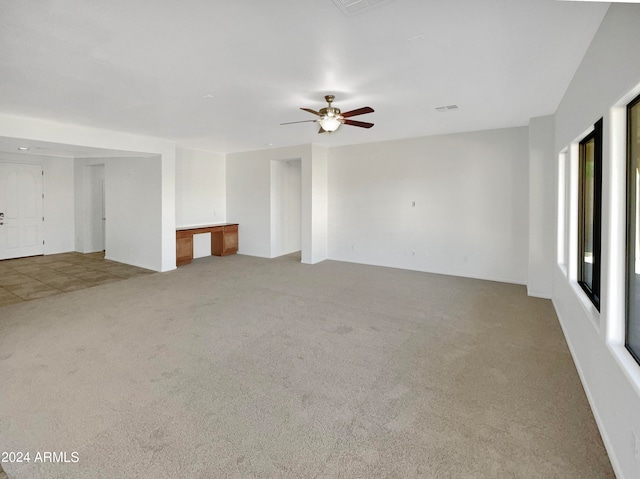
[200, 187]
[315, 176]
[58, 202]
[160, 254]
[286, 208]
[134, 210]
[80, 215]
[249, 199]
[132, 207]
[608, 77]
[542, 167]
[471, 210]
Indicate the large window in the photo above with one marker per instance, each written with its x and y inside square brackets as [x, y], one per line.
[633, 233]
[589, 213]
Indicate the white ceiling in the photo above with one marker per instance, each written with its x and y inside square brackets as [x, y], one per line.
[222, 75]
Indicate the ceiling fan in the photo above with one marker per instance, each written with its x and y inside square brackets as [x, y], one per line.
[331, 117]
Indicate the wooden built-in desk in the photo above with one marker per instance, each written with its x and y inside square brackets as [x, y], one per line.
[224, 240]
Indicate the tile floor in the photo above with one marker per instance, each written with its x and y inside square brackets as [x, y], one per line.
[24, 279]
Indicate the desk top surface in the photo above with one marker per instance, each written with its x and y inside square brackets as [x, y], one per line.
[197, 227]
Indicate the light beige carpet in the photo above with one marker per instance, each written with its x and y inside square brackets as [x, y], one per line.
[242, 367]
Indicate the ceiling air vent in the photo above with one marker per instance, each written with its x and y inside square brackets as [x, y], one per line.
[443, 109]
[351, 7]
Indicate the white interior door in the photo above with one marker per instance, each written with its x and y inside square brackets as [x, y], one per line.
[21, 221]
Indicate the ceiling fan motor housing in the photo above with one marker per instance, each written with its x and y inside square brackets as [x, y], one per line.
[330, 111]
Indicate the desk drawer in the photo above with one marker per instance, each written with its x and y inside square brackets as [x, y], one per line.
[184, 234]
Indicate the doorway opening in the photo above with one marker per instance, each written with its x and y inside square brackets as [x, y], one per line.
[94, 211]
[286, 206]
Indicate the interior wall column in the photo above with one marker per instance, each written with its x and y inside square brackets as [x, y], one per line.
[542, 193]
[314, 205]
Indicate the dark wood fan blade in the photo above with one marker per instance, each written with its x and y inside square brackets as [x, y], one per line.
[361, 124]
[359, 111]
[292, 122]
[311, 111]
[322, 130]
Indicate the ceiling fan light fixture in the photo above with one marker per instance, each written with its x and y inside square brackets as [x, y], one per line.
[329, 123]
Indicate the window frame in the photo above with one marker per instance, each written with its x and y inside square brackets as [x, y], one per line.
[592, 291]
[631, 235]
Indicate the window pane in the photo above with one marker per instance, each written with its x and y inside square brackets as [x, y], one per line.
[589, 213]
[588, 198]
[633, 254]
